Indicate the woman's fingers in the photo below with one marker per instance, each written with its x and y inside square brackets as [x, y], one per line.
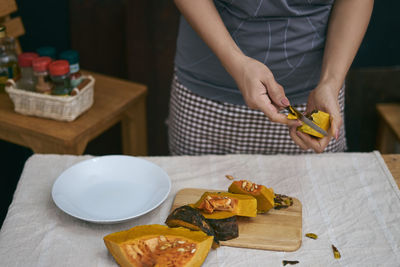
[306, 141]
[316, 144]
[278, 95]
[276, 92]
[336, 123]
[275, 100]
[293, 134]
[267, 107]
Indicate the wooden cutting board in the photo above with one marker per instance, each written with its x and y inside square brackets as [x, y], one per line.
[279, 230]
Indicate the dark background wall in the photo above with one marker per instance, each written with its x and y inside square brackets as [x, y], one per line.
[135, 40]
[374, 76]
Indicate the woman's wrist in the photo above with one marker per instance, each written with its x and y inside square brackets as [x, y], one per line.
[232, 60]
[332, 84]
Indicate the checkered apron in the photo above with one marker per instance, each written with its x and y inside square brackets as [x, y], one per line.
[198, 126]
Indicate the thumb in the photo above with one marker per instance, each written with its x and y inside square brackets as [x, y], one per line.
[277, 94]
[336, 123]
[265, 105]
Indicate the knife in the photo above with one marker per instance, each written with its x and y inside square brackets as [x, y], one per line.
[306, 120]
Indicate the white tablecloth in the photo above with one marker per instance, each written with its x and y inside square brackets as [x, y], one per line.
[349, 200]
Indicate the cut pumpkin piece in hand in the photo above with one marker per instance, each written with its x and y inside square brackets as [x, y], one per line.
[320, 118]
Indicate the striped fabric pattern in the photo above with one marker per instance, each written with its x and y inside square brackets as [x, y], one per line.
[199, 126]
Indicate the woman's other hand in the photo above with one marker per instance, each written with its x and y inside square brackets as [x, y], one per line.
[345, 32]
[324, 98]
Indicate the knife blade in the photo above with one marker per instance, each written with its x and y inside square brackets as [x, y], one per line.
[306, 120]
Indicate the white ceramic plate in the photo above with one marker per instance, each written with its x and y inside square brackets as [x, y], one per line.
[111, 189]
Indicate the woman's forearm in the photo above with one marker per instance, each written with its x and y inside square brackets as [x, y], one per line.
[204, 18]
[254, 79]
[347, 25]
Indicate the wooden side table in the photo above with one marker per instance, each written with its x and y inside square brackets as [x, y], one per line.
[388, 140]
[393, 163]
[115, 100]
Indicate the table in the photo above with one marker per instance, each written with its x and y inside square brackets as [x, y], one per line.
[115, 100]
[388, 140]
[393, 163]
[357, 209]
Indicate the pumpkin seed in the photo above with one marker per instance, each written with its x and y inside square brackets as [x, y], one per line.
[311, 235]
[284, 262]
[244, 184]
[230, 177]
[336, 252]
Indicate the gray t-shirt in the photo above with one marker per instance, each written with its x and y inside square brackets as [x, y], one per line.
[286, 35]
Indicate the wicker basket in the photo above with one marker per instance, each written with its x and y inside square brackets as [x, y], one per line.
[60, 108]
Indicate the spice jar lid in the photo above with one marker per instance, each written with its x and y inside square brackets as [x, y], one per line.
[25, 59]
[41, 63]
[71, 55]
[59, 67]
[46, 51]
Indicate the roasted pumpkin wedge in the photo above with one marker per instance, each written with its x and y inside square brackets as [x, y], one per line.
[320, 118]
[191, 218]
[225, 229]
[265, 196]
[222, 204]
[158, 245]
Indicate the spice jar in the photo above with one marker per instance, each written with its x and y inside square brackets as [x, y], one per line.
[40, 70]
[73, 58]
[47, 51]
[59, 74]
[8, 59]
[27, 81]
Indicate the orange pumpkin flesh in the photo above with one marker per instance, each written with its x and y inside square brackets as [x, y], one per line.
[320, 118]
[158, 245]
[226, 205]
[265, 196]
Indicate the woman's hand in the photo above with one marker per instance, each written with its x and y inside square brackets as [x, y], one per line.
[254, 79]
[345, 32]
[259, 88]
[324, 98]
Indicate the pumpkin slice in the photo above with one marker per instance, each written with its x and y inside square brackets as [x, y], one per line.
[223, 205]
[191, 218]
[320, 118]
[265, 196]
[223, 224]
[225, 229]
[158, 245]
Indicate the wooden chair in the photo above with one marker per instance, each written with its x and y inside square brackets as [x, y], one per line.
[15, 27]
